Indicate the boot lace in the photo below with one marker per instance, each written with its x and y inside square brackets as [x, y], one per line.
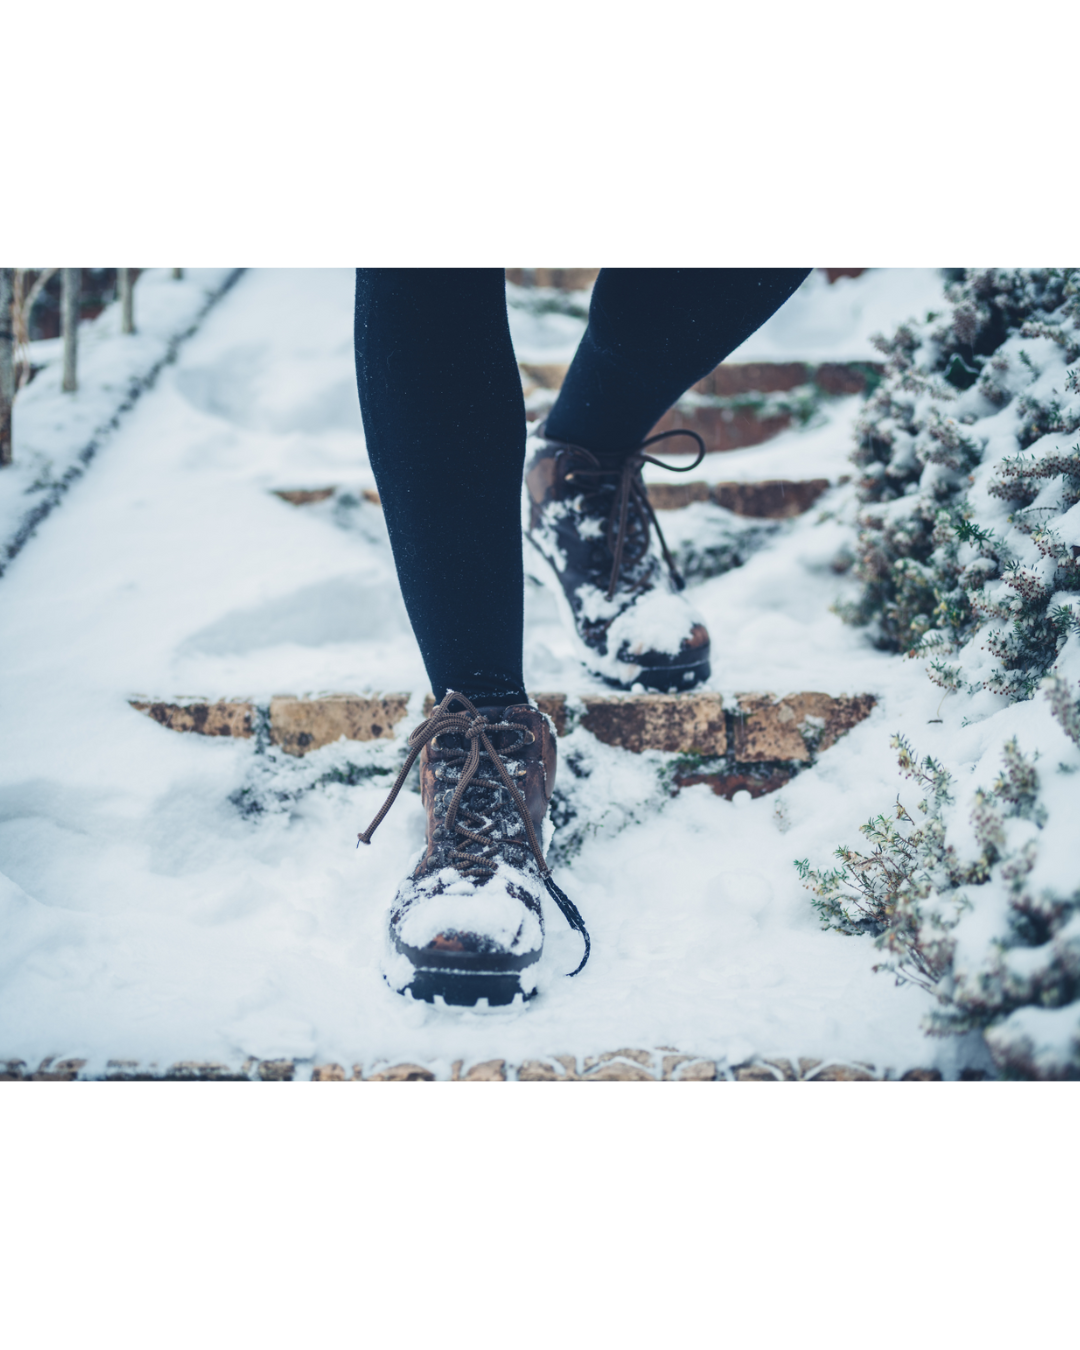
[631, 511]
[482, 859]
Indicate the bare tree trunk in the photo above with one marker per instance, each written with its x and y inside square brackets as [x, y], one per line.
[23, 308]
[178, 274]
[69, 325]
[7, 369]
[124, 286]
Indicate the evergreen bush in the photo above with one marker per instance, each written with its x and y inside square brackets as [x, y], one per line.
[983, 913]
[968, 548]
[968, 553]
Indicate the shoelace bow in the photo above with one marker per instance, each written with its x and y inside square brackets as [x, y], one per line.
[477, 729]
[631, 495]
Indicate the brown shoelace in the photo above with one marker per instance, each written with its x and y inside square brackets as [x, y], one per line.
[631, 499]
[477, 729]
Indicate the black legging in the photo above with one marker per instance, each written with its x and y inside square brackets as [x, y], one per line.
[444, 419]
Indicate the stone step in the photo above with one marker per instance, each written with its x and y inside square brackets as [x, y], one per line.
[744, 402]
[308, 496]
[770, 499]
[304, 496]
[581, 278]
[553, 278]
[721, 428]
[663, 1064]
[756, 745]
[731, 380]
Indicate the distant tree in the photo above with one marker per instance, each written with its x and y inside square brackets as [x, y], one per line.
[7, 352]
[69, 326]
[178, 274]
[22, 306]
[125, 289]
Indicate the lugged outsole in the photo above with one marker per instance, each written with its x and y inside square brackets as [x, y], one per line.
[466, 990]
[670, 678]
[461, 978]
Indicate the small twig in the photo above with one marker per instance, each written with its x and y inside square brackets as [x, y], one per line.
[937, 716]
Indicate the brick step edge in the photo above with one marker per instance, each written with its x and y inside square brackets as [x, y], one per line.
[581, 278]
[769, 499]
[628, 1065]
[737, 378]
[762, 739]
[742, 419]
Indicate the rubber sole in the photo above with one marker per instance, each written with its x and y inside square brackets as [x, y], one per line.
[465, 991]
[463, 978]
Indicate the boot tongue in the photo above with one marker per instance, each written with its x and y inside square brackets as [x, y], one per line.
[497, 712]
[612, 461]
[492, 706]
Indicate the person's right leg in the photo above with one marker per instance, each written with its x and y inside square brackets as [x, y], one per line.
[652, 333]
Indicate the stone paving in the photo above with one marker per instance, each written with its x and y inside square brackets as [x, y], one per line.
[757, 745]
[662, 1065]
[759, 727]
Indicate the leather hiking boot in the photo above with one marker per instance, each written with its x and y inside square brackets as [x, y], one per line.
[467, 924]
[590, 526]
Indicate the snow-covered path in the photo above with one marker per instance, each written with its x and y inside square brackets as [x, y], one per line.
[143, 917]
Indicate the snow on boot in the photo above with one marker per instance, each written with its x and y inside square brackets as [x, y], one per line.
[589, 526]
[467, 923]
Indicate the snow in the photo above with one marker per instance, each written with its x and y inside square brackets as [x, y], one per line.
[56, 435]
[459, 904]
[144, 916]
[821, 322]
[820, 450]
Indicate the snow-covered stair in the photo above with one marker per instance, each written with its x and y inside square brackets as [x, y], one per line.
[756, 745]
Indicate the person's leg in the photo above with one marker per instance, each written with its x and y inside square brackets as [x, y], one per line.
[444, 419]
[653, 332]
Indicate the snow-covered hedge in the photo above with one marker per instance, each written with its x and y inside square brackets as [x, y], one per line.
[977, 901]
[968, 554]
[969, 536]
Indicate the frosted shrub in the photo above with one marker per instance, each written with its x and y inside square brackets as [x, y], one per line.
[968, 548]
[989, 925]
[904, 891]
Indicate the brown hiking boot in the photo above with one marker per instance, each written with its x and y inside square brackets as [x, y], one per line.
[468, 923]
[590, 526]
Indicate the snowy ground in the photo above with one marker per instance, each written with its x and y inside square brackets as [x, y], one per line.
[821, 322]
[143, 917]
[57, 435]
